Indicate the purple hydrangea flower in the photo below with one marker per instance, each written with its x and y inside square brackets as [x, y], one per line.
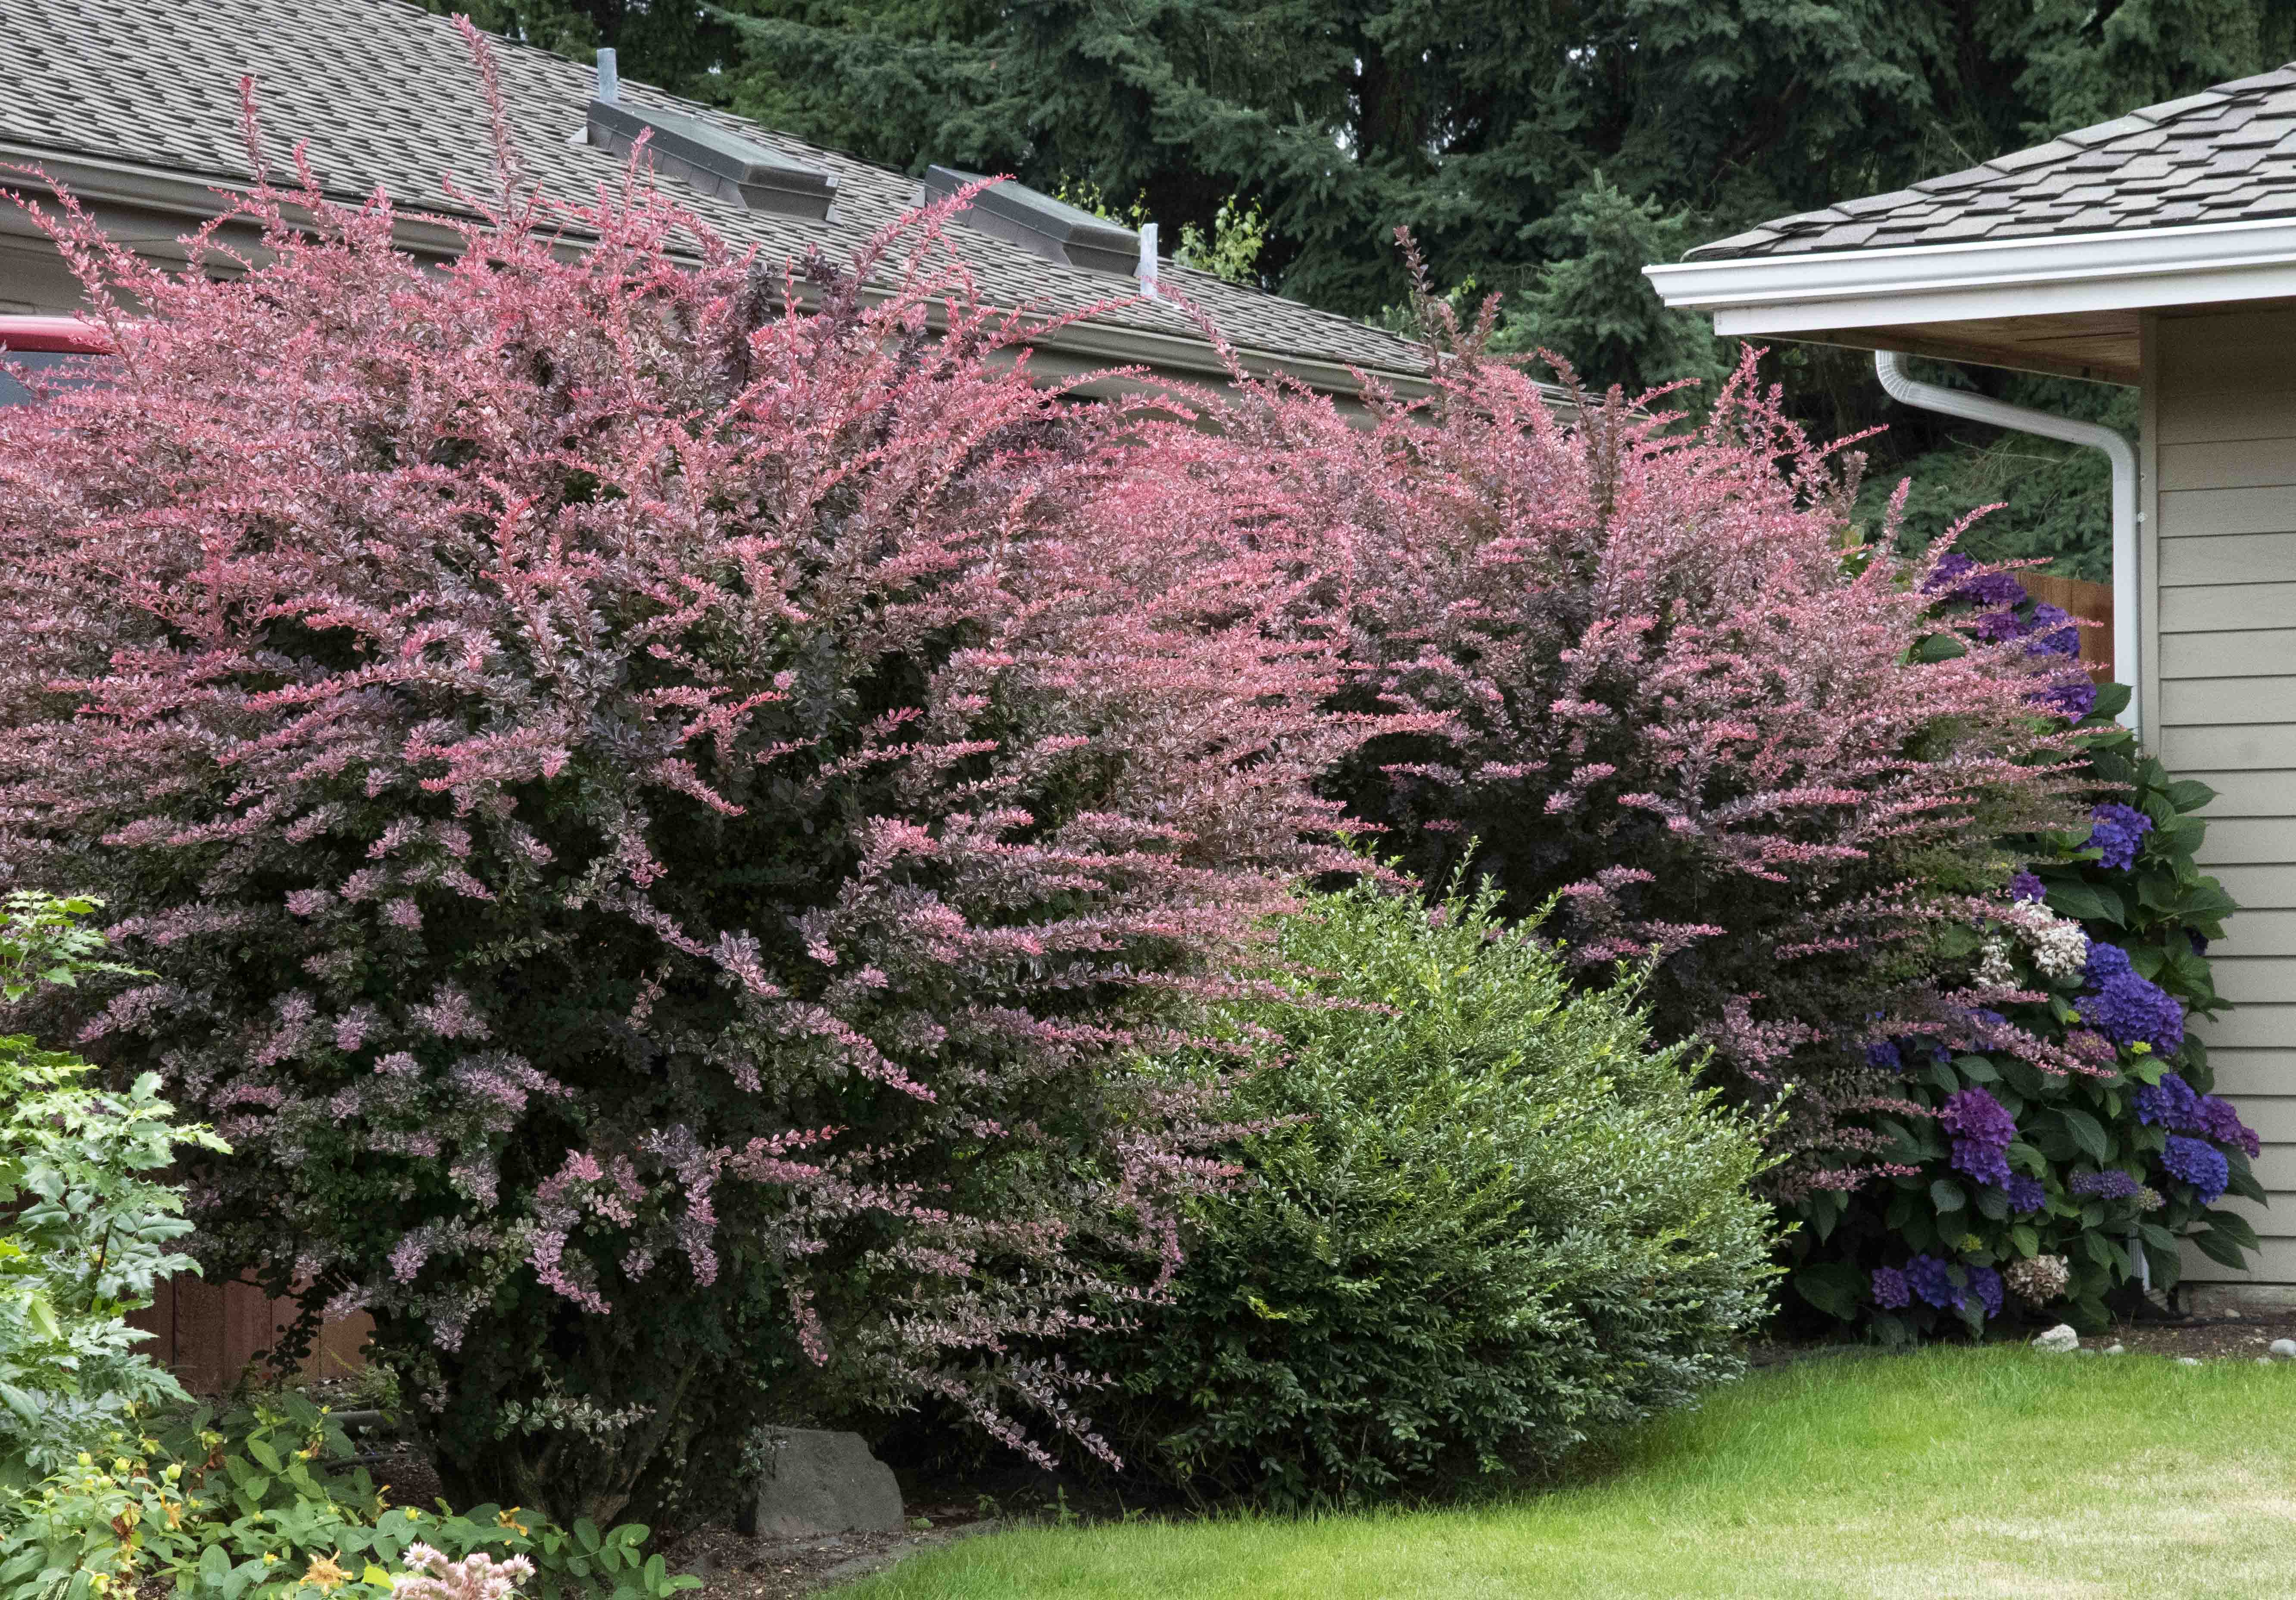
[2025, 1193]
[2117, 830]
[1884, 1054]
[2221, 1123]
[2200, 1164]
[2072, 700]
[2055, 634]
[2104, 961]
[1929, 1277]
[1889, 1288]
[1952, 567]
[2025, 886]
[1996, 625]
[2112, 1184]
[1986, 1285]
[1986, 1163]
[1998, 589]
[2129, 1010]
[1976, 1115]
[2169, 1104]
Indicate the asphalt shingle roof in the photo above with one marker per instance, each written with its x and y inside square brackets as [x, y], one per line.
[385, 96]
[2226, 154]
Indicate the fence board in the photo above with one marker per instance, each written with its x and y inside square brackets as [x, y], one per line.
[207, 1333]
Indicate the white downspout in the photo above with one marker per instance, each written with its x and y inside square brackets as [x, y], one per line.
[1890, 364]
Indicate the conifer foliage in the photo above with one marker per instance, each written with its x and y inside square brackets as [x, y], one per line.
[658, 794]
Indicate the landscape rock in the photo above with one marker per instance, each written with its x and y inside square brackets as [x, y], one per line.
[2059, 1340]
[821, 1483]
[2285, 1348]
[2188, 1361]
[2116, 1350]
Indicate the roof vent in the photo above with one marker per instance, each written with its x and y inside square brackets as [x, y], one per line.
[711, 160]
[1039, 223]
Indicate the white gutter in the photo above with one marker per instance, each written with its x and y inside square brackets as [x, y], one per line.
[1909, 390]
[2128, 269]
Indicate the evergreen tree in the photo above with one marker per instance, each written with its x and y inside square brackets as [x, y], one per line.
[1545, 150]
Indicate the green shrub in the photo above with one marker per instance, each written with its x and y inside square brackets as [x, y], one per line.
[87, 1231]
[1484, 1218]
[259, 1505]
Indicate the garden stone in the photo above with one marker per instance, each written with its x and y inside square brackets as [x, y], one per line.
[2285, 1348]
[2084, 1350]
[2058, 1340]
[2188, 1361]
[821, 1483]
[2117, 1349]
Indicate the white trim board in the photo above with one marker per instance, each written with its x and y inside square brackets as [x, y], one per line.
[2132, 269]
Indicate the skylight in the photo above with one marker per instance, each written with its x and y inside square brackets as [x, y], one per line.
[1039, 223]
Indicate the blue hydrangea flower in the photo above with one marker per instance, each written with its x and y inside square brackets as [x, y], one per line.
[1889, 1288]
[2200, 1164]
[2025, 886]
[1931, 1278]
[2112, 1184]
[2117, 830]
[1884, 1054]
[1986, 1285]
[2130, 1010]
[2169, 1104]
[2025, 1193]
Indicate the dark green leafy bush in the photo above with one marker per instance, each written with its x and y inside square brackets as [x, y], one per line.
[1484, 1218]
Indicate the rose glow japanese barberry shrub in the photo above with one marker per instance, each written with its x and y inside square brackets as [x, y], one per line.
[1671, 687]
[660, 794]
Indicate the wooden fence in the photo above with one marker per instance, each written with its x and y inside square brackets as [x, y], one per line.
[209, 1333]
[2091, 601]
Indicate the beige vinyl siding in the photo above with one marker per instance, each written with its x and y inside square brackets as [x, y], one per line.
[2220, 648]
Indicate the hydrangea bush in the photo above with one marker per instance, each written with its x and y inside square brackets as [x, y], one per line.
[657, 789]
[2024, 1187]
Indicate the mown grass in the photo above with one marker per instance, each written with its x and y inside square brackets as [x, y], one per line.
[1948, 1475]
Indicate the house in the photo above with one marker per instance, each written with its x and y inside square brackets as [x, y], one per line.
[133, 107]
[2157, 251]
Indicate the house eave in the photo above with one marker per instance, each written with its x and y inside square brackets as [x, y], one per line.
[2132, 270]
[145, 207]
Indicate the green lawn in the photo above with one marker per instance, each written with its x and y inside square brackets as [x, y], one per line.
[1947, 1475]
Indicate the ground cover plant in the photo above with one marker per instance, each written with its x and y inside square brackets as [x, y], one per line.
[1952, 1471]
[656, 791]
[2021, 1189]
[1484, 1218]
[265, 1502]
